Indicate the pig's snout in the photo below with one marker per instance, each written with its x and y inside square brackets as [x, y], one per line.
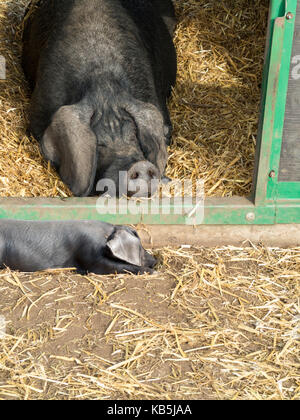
[149, 260]
[143, 179]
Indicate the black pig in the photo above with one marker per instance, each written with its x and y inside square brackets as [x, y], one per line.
[88, 246]
[101, 73]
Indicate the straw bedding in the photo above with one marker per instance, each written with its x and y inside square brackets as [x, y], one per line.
[214, 107]
[222, 323]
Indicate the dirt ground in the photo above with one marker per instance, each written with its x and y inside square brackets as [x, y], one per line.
[210, 324]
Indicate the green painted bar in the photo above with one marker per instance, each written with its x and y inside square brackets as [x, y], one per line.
[289, 190]
[288, 210]
[265, 140]
[232, 210]
[88, 208]
[277, 9]
[279, 114]
[237, 210]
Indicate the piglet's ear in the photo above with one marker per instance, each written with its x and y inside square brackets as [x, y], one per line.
[71, 145]
[126, 247]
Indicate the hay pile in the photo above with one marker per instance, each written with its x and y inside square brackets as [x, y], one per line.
[23, 172]
[215, 324]
[214, 107]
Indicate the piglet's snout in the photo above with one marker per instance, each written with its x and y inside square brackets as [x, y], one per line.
[143, 179]
[149, 260]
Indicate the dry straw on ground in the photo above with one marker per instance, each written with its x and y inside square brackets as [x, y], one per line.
[216, 324]
[214, 107]
[23, 172]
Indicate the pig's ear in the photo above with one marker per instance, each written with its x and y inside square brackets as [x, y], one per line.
[151, 132]
[71, 145]
[125, 246]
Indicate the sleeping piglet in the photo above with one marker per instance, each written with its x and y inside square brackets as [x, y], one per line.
[88, 246]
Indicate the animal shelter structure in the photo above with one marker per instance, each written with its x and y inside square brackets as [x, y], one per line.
[275, 197]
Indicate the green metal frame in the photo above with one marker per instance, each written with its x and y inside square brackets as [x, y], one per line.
[270, 202]
[282, 198]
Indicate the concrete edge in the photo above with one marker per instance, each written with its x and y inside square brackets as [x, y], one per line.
[281, 235]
